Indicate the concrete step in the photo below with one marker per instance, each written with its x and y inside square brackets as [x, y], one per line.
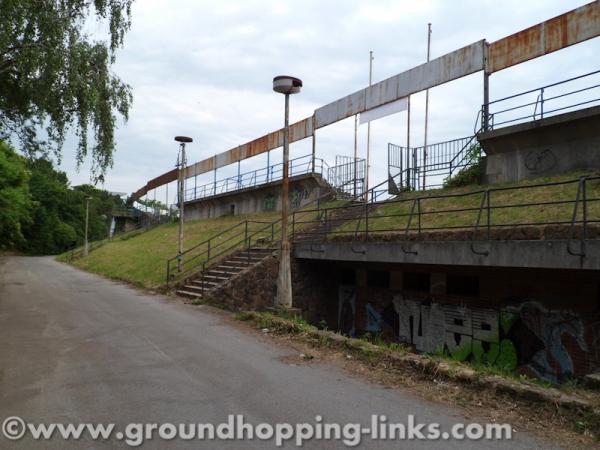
[193, 288]
[208, 284]
[188, 294]
[209, 276]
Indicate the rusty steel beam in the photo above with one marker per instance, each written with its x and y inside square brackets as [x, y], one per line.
[570, 28]
[575, 26]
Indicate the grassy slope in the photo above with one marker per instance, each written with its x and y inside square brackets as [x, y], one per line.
[141, 259]
[380, 220]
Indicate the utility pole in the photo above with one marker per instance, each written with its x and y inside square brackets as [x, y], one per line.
[369, 133]
[355, 154]
[86, 245]
[182, 163]
[286, 85]
[408, 171]
[426, 108]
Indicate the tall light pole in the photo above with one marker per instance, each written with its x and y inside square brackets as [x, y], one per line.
[181, 162]
[426, 109]
[285, 85]
[86, 245]
[369, 133]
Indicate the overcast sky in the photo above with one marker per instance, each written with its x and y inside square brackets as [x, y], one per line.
[205, 68]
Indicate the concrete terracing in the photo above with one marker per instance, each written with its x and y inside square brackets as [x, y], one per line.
[554, 145]
[304, 189]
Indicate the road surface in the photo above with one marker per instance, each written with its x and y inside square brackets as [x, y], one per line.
[76, 348]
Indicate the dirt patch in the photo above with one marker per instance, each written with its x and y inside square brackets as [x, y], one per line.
[571, 421]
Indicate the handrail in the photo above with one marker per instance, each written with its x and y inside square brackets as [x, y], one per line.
[582, 201]
[209, 252]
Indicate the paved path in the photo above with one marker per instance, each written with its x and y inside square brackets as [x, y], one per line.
[77, 348]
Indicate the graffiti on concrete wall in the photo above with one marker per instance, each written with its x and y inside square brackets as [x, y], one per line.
[528, 337]
[269, 203]
[347, 310]
[381, 320]
[297, 196]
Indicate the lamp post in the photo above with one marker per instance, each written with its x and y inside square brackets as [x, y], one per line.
[286, 85]
[86, 246]
[181, 161]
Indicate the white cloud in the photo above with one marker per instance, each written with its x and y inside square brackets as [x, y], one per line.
[204, 68]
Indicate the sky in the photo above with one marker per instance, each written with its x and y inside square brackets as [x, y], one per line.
[205, 69]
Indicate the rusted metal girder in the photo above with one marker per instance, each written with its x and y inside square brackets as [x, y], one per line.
[570, 28]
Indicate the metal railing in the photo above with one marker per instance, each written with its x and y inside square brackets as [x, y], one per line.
[480, 212]
[79, 250]
[546, 101]
[407, 165]
[297, 166]
[200, 257]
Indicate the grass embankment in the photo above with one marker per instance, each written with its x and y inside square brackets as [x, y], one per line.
[440, 214]
[141, 259]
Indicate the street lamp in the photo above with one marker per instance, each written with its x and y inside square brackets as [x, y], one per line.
[286, 85]
[86, 245]
[181, 161]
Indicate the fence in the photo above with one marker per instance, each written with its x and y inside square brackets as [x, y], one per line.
[410, 168]
[568, 204]
[549, 100]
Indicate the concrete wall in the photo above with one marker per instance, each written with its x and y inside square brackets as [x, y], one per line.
[543, 323]
[555, 145]
[303, 190]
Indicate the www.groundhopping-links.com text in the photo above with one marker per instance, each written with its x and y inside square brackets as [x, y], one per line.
[236, 428]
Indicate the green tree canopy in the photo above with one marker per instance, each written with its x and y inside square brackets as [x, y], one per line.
[53, 76]
[15, 201]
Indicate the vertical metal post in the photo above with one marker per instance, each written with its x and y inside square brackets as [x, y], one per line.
[215, 181]
[368, 162]
[268, 164]
[366, 221]
[86, 248]
[426, 110]
[408, 144]
[182, 163]
[419, 213]
[167, 199]
[239, 176]
[486, 101]
[542, 103]
[485, 110]
[246, 233]
[585, 213]
[284, 282]
[355, 152]
[489, 214]
[314, 142]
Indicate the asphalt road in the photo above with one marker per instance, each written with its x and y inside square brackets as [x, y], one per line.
[77, 348]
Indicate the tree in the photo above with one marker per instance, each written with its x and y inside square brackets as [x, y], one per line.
[54, 77]
[58, 213]
[15, 202]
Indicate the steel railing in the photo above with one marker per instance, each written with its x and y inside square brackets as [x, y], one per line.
[480, 211]
[536, 104]
[297, 166]
[407, 165]
[241, 236]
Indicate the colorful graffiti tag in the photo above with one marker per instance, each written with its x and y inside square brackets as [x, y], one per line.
[526, 337]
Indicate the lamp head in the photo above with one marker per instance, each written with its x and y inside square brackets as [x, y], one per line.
[183, 139]
[285, 84]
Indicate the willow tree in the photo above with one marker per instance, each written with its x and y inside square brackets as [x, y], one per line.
[56, 78]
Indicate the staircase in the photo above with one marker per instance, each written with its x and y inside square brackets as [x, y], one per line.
[219, 273]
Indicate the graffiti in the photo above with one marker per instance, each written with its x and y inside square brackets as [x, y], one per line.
[530, 338]
[381, 320]
[539, 161]
[547, 340]
[347, 310]
[269, 203]
[297, 196]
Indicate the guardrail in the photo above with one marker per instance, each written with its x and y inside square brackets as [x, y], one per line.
[408, 165]
[78, 251]
[240, 236]
[576, 202]
[544, 101]
[297, 166]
